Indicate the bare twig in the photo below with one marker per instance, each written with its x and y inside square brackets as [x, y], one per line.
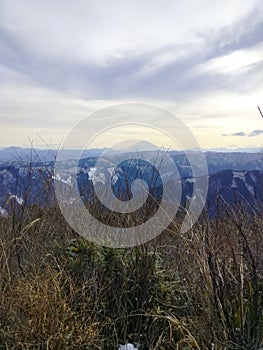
[260, 112]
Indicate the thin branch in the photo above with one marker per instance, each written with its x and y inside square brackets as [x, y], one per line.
[260, 112]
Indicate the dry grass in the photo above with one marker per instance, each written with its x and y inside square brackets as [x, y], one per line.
[58, 291]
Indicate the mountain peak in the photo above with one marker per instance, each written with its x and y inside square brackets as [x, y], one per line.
[135, 146]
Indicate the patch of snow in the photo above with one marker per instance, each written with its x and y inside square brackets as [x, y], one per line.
[111, 170]
[251, 189]
[113, 175]
[58, 178]
[191, 180]
[127, 346]
[96, 176]
[190, 199]
[241, 176]
[3, 213]
[92, 172]
[19, 200]
[84, 170]
[114, 179]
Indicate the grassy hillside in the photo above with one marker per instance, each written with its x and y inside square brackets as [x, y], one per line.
[200, 290]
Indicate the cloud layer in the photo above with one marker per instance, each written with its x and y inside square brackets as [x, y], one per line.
[59, 61]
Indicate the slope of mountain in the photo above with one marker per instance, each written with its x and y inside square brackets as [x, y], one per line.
[216, 161]
[35, 183]
[236, 188]
[28, 155]
[233, 177]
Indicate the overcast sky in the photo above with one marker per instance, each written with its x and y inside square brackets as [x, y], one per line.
[200, 59]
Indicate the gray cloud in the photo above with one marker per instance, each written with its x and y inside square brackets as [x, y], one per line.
[255, 133]
[242, 133]
[61, 60]
[48, 59]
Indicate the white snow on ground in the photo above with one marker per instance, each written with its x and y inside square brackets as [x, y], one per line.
[3, 213]
[96, 176]
[19, 200]
[114, 179]
[241, 176]
[92, 172]
[58, 178]
[113, 175]
[191, 180]
[127, 346]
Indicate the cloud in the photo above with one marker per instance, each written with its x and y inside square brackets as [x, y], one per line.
[255, 133]
[61, 60]
[125, 50]
[89, 30]
[242, 133]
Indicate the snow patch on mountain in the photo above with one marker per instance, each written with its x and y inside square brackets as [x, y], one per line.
[19, 200]
[3, 213]
[58, 177]
[190, 180]
[128, 346]
[242, 177]
[95, 176]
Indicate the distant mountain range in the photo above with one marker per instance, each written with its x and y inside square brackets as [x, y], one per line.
[43, 155]
[47, 155]
[27, 176]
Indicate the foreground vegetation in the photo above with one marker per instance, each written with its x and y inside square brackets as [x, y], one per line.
[200, 290]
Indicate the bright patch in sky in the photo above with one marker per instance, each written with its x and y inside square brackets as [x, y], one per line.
[236, 61]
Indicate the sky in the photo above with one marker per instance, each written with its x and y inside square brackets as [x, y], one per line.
[61, 61]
